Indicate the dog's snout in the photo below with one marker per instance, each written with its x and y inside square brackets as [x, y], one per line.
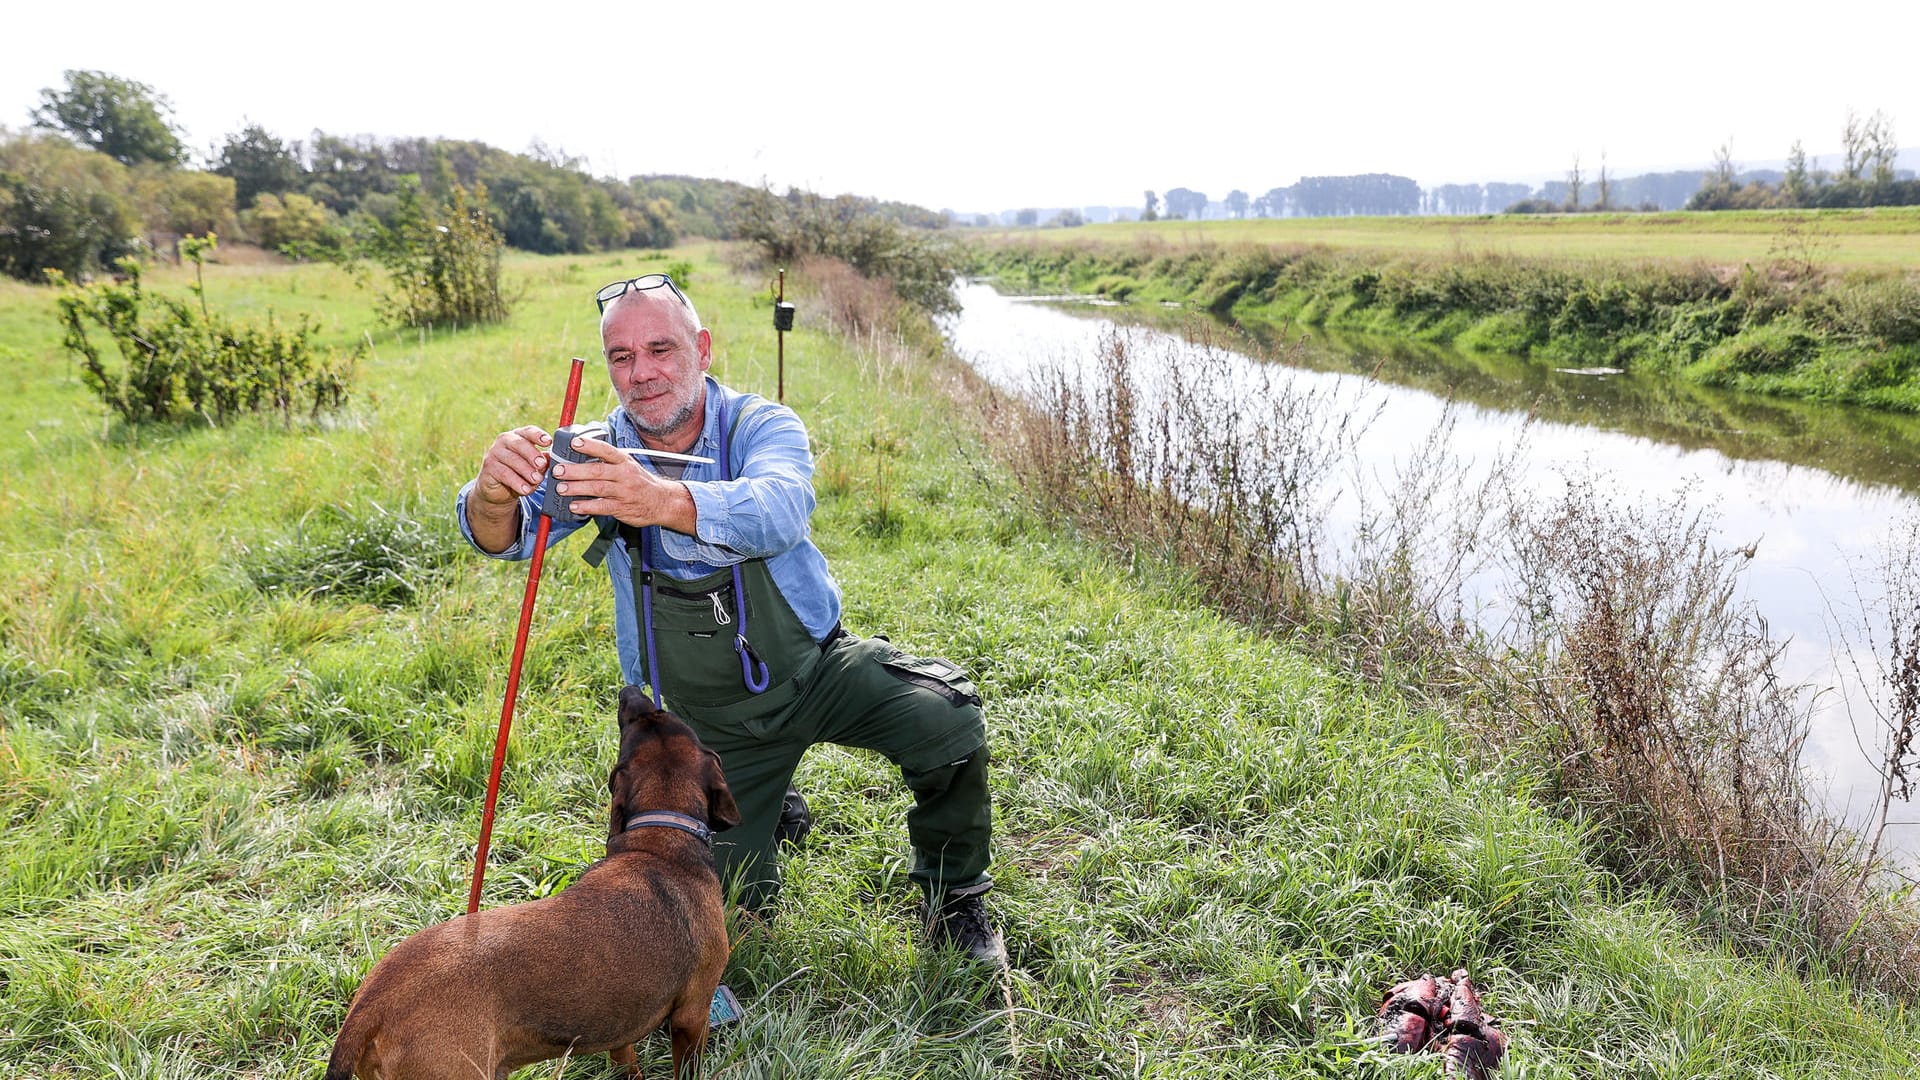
[635, 706]
[632, 700]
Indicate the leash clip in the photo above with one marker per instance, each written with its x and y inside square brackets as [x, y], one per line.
[753, 670]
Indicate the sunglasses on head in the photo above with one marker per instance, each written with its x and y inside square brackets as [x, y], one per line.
[609, 293]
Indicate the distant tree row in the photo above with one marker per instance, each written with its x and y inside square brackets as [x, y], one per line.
[542, 200]
[1866, 176]
[104, 172]
[1313, 196]
[1385, 194]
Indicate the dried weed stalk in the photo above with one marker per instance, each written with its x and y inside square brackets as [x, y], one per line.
[1226, 471]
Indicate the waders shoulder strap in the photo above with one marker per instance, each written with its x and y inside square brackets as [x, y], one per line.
[753, 401]
[596, 552]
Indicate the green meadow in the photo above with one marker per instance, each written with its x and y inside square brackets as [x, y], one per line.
[1876, 237]
[250, 678]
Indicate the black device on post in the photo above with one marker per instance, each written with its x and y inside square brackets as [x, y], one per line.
[560, 507]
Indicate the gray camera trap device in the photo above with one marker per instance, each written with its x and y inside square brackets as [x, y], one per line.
[560, 507]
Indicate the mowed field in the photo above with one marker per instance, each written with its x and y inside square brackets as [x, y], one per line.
[1884, 237]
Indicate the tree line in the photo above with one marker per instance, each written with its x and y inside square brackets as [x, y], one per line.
[104, 172]
[1866, 177]
[1370, 194]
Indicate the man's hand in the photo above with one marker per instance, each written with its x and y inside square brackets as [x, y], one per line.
[615, 485]
[513, 466]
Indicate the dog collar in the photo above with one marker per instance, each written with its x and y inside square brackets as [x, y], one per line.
[667, 819]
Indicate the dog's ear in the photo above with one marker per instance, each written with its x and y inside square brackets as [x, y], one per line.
[722, 812]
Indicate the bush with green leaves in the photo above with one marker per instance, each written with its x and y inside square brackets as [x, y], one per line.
[175, 203]
[295, 225]
[179, 360]
[61, 207]
[920, 264]
[444, 260]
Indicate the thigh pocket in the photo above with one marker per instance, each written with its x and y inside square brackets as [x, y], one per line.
[943, 677]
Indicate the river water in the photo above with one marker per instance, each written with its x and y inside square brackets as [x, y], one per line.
[1820, 491]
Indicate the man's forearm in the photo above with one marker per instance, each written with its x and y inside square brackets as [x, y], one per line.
[677, 511]
[495, 526]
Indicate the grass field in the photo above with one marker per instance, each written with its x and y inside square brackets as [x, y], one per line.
[1881, 237]
[249, 680]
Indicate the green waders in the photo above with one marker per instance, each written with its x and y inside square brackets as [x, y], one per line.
[710, 641]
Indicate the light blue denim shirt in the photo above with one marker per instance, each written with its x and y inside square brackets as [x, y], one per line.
[764, 513]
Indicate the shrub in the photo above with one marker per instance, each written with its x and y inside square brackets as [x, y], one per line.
[444, 261]
[1249, 273]
[1878, 310]
[1600, 307]
[1363, 285]
[1873, 367]
[1506, 332]
[61, 208]
[1765, 350]
[294, 225]
[920, 265]
[1661, 701]
[1693, 330]
[182, 202]
[179, 360]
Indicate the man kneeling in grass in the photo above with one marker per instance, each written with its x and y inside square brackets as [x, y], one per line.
[724, 606]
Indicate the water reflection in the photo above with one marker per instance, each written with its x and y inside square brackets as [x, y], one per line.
[1817, 490]
[1865, 445]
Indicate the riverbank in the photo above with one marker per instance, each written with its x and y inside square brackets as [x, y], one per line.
[1794, 324]
[224, 800]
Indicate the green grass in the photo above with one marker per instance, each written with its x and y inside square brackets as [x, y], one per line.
[1880, 237]
[238, 762]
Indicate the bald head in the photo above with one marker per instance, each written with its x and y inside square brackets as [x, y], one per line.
[657, 358]
[666, 300]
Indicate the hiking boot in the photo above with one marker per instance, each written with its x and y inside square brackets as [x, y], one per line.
[961, 924]
[796, 819]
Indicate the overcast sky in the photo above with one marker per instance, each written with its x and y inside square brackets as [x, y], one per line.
[992, 105]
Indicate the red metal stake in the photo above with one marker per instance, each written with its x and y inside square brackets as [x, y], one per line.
[519, 654]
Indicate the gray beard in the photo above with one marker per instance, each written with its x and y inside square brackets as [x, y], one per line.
[680, 416]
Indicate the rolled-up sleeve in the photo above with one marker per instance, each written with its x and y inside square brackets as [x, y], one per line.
[766, 509]
[522, 546]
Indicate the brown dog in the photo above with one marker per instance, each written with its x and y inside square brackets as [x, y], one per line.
[640, 939]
